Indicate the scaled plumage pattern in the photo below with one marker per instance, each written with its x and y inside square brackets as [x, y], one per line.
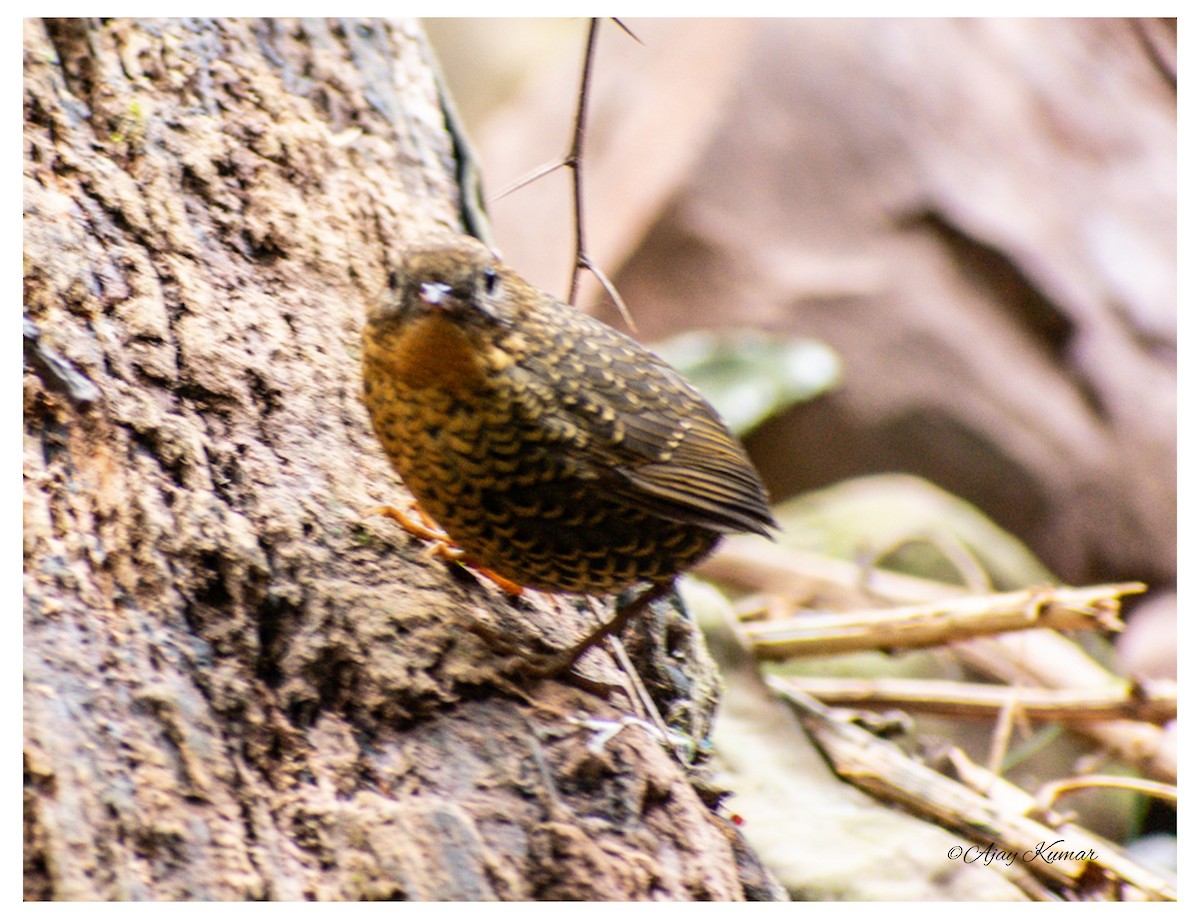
[554, 450]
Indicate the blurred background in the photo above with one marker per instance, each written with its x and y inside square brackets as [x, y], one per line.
[952, 243]
[976, 216]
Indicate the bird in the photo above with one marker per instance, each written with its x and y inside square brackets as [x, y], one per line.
[552, 451]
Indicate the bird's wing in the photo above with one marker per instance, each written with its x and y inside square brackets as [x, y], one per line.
[650, 439]
[707, 476]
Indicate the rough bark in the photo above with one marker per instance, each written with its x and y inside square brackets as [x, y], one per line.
[234, 686]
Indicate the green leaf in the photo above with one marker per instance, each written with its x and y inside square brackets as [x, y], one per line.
[750, 375]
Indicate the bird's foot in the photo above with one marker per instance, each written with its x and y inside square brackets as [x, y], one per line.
[442, 546]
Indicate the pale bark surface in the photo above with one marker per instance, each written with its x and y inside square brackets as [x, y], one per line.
[234, 686]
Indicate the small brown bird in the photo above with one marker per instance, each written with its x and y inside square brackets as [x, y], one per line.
[553, 450]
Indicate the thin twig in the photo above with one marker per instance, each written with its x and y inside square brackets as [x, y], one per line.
[1052, 791]
[573, 160]
[532, 176]
[628, 31]
[1002, 732]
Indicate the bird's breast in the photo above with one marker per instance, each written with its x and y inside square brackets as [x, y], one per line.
[430, 352]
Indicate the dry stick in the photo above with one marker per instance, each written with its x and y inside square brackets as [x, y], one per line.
[1053, 661]
[1155, 701]
[952, 619]
[1033, 658]
[879, 768]
[1002, 732]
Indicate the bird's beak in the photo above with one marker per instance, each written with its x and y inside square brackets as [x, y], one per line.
[434, 292]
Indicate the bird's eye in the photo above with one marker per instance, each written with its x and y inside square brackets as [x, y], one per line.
[489, 280]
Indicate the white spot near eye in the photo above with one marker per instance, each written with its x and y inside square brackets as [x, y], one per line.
[433, 292]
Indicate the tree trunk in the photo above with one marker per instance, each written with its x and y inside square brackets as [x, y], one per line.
[235, 687]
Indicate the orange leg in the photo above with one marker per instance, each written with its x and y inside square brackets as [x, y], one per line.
[425, 528]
